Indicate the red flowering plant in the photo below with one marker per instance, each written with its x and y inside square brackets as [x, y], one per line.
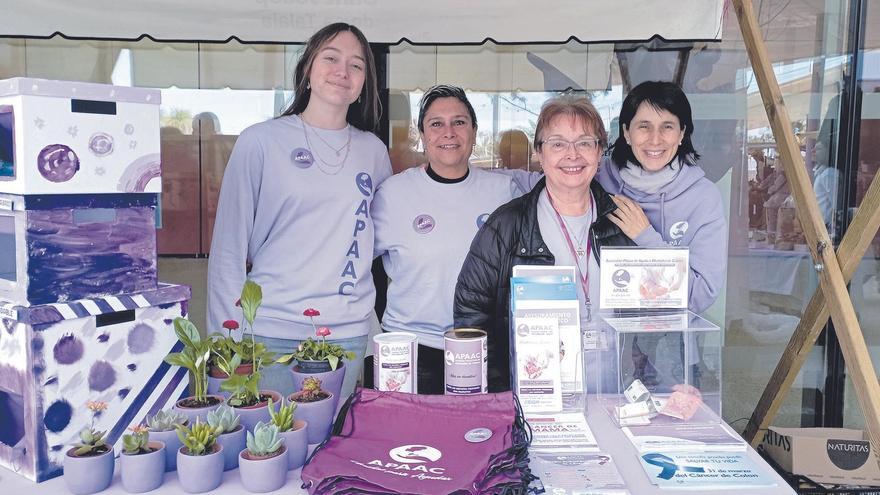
[225, 345]
[244, 388]
[315, 350]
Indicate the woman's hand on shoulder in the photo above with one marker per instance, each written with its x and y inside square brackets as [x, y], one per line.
[629, 216]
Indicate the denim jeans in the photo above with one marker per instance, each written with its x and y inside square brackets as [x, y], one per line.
[278, 377]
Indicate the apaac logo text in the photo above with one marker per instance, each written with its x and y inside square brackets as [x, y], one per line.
[410, 461]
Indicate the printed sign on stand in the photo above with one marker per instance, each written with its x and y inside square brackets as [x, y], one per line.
[636, 278]
[703, 470]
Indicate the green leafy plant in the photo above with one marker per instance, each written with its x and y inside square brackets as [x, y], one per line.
[264, 440]
[283, 419]
[314, 350]
[194, 357]
[138, 441]
[245, 389]
[199, 438]
[311, 391]
[223, 419]
[92, 442]
[166, 421]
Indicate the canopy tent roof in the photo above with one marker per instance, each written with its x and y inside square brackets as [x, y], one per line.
[383, 21]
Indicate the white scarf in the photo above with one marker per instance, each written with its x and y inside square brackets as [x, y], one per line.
[649, 182]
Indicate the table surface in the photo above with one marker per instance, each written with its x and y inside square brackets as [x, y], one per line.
[611, 441]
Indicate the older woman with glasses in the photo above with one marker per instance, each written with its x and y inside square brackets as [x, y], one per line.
[562, 221]
[426, 217]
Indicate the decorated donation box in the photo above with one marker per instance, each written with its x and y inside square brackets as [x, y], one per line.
[57, 248]
[659, 368]
[57, 357]
[60, 137]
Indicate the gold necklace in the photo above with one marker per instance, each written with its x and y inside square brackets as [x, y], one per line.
[334, 168]
[335, 150]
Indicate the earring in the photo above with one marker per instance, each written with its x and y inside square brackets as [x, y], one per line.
[679, 143]
[359, 98]
[308, 85]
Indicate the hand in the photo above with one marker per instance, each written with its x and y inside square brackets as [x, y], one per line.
[629, 216]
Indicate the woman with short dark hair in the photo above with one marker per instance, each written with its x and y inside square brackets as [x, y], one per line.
[663, 197]
[294, 208]
[426, 217]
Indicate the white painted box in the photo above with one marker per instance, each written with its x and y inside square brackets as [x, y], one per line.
[54, 358]
[59, 137]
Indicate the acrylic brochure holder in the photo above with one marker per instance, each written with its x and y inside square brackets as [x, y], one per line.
[547, 360]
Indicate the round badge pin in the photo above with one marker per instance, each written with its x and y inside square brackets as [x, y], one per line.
[423, 224]
[302, 158]
[478, 435]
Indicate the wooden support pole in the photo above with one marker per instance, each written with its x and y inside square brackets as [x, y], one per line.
[852, 248]
[831, 280]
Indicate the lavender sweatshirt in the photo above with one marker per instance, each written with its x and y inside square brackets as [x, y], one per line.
[685, 212]
[303, 225]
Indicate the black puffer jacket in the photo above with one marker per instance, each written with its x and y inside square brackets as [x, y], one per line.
[510, 237]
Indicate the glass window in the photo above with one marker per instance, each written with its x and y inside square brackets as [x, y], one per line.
[865, 285]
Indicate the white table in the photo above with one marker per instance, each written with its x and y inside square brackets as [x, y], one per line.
[611, 441]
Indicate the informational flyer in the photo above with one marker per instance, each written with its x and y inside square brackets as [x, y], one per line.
[638, 278]
[577, 473]
[538, 382]
[561, 432]
[684, 438]
[555, 298]
[704, 470]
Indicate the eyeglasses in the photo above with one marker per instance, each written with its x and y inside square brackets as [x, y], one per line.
[557, 145]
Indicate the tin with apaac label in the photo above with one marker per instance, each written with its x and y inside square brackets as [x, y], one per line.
[395, 360]
[466, 361]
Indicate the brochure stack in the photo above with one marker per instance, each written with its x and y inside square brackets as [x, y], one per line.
[549, 377]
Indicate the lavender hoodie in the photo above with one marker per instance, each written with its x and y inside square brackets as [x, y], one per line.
[685, 212]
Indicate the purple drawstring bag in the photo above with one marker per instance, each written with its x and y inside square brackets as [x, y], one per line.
[397, 443]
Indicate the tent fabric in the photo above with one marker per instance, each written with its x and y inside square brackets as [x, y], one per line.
[383, 21]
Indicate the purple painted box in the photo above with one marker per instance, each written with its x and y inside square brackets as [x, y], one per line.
[58, 248]
[56, 357]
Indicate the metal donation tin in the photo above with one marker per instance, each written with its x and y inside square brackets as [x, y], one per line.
[466, 359]
[395, 360]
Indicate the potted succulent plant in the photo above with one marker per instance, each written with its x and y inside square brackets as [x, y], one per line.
[232, 434]
[263, 464]
[200, 459]
[194, 357]
[315, 406]
[163, 427]
[142, 461]
[293, 431]
[244, 390]
[319, 358]
[88, 465]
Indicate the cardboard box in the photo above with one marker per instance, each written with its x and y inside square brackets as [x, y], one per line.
[55, 358]
[825, 455]
[59, 137]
